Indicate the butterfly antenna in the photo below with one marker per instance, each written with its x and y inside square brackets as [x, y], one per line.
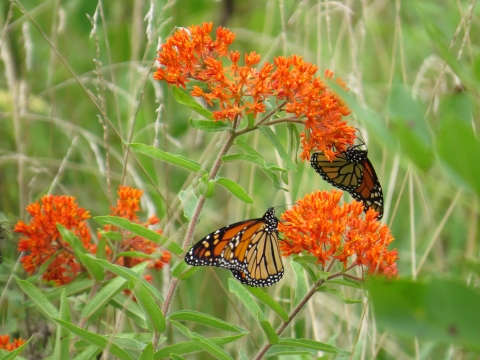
[271, 200]
[360, 138]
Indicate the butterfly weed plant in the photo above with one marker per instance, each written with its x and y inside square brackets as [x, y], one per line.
[322, 236]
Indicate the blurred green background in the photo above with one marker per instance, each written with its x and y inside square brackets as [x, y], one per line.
[413, 71]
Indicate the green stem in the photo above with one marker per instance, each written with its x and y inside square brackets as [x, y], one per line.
[297, 309]
[196, 215]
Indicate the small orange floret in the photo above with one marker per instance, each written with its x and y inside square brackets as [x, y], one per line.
[319, 226]
[127, 207]
[5, 343]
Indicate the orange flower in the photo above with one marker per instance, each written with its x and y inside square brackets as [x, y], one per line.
[42, 240]
[323, 228]
[5, 343]
[239, 90]
[127, 207]
[127, 203]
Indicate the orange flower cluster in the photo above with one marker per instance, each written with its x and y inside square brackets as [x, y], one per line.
[319, 226]
[128, 204]
[5, 343]
[42, 240]
[239, 90]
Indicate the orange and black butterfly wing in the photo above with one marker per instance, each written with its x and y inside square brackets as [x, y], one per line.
[369, 191]
[264, 266]
[340, 172]
[216, 249]
[249, 249]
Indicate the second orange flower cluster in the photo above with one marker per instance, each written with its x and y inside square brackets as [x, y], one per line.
[42, 242]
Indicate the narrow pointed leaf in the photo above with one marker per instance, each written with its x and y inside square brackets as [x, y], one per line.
[96, 340]
[190, 347]
[254, 309]
[39, 299]
[272, 137]
[210, 125]
[267, 300]
[184, 99]
[203, 342]
[207, 320]
[147, 353]
[173, 159]
[89, 353]
[338, 294]
[301, 346]
[189, 201]
[234, 188]
[152, 311]
[140, 231]
[11, 355]
[302, 288]
[106, 293]
[62, 340]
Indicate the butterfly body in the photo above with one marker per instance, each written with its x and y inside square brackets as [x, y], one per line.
[249, 249]
[353, 172]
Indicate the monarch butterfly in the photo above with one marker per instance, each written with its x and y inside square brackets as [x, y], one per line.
[249, 249]
[353, 172]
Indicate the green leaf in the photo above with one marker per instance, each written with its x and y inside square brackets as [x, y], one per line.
[94, 270]
[140, 230]
[182, 270]
[234, 188]
[203, 342]
[307, 344]
[173, 159]
[267, 300]
[38, 298]
[152, 311]
[207, 320]
[207, 186]
[77, 286]
[410, 127]
[184, 99]
[190, 347]
[101, 246]
[80, 253]
[89, 353]
[147, 353]
[127, 341]
[247, 148]
[460, 159]
[439, 310]
[254, 309]
[14, 354]
[244, 157]
[210, 125]
[96, 340]
[274, 178]
[294, 140]
[107, 292]
[62, 341]
[272, 137]
[176, 357]
[111, 235]
[71, 239]
[132, 310]
[346, 281]
[302, 288]
[189, 201]
[338, 294]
